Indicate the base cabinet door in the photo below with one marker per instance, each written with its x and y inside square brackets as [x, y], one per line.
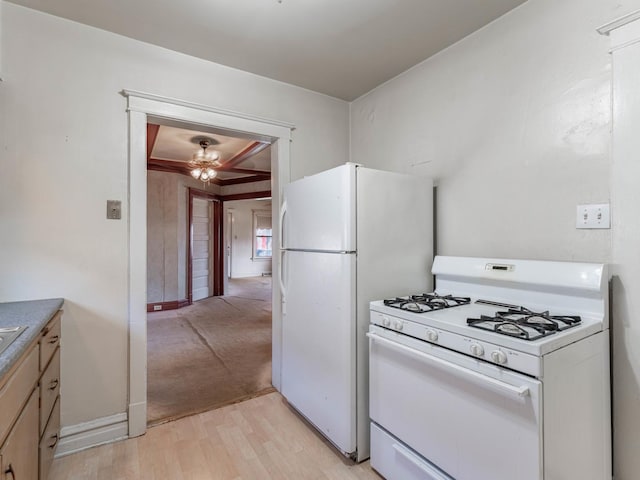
[18, 454]
[49, 441]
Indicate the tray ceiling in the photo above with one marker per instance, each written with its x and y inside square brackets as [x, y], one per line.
[242, 160]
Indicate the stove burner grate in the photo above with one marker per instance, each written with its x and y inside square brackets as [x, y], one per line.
[523, 323]
[426, 302]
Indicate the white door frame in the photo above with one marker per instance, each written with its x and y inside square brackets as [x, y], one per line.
[141, 107]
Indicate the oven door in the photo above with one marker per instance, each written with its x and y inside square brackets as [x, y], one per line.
[471, 419]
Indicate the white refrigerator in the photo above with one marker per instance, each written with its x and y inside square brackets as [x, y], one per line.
[350, 235]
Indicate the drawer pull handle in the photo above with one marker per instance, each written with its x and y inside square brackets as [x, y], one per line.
[54, 339]
[9, 470]
[53, 384]
[53, 445]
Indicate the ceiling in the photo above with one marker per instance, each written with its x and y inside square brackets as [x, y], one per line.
[342, 48]
[242, 160]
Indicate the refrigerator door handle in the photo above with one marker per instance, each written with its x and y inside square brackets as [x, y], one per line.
[283, 211]
[281, 274]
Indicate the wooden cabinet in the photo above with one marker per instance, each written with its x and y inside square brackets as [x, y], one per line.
[50, 340]
[15, 389]
[30, 408]
[49, 441]
[49, 387]
[20, 449]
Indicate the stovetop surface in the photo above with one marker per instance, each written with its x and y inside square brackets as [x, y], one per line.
[523, 323]
[426, 302]
[454, 320]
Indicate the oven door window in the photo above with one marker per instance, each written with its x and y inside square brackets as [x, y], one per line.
[472, 419]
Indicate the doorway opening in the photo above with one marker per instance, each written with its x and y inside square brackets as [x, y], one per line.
[147, 108]
[215, 349]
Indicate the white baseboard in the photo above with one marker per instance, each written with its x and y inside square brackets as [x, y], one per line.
[250, 274]
[90, 434]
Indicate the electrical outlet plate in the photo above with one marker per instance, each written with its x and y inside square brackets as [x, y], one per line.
[114, 209]
[593, 216]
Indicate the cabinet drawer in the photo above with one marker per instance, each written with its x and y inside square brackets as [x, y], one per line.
[18, 456]
[16, 391]
[49, 340]
[49, 389]
[49, 441]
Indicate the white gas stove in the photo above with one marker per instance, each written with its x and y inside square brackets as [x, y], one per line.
[506, 366]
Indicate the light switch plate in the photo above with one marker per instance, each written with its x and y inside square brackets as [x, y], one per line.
[114, 209]
[593, 216]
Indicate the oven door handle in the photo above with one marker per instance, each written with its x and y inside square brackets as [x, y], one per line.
[521, 391]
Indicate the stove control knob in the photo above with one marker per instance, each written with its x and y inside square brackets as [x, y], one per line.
[385, 321]
[499, 356]
[476, 349]
[432, 335]
[398, 325]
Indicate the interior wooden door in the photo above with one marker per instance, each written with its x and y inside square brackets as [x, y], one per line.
[201, 258]
[205, 251]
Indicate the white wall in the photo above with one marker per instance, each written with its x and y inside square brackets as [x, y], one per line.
[625, 285]
[242, 263]
[514, 123]
[63, 138]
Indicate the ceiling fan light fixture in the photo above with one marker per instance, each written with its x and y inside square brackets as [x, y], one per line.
[203, 163]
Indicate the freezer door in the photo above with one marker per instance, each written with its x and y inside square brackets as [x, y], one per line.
[318, 343]
[320, 211]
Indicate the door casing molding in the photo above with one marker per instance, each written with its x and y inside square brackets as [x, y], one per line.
[143, 108]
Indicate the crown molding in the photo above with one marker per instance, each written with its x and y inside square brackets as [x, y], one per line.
[607, 28]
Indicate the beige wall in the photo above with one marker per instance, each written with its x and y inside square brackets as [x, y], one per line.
[242, 264]
[63, 154]
[167, 217]
[163, 282]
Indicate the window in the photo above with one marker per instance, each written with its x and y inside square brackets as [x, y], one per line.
[262, 234]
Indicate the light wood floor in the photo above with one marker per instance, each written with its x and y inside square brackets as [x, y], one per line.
[261, 438]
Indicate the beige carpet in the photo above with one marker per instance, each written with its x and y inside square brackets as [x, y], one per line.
[212, 353]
